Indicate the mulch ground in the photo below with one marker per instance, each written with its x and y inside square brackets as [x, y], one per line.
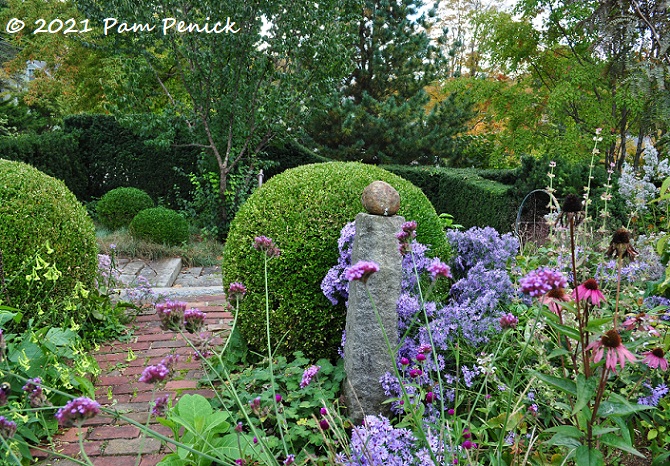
[112, 441]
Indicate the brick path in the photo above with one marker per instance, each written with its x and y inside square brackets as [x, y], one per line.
[109, 441]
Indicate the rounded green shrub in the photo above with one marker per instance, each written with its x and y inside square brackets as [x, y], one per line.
[159, 225]
[40, 216]
[303, 210]
[118, 207]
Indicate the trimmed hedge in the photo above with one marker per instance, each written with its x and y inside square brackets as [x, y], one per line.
[36, 209]
[55, 153]
[463, 193]
[160, 225]
[118, 207]
[303, 210]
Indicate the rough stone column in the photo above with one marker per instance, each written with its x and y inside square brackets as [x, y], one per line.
[366, 356]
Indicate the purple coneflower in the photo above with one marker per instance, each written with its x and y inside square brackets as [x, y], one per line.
[553, 298]
[589, 290]
[656, 359]
[616, 350]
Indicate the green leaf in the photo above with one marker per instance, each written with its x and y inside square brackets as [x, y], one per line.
[618, 442]
[619, 407]
[193, 407]
[586, 388]
[172, 460]
[564, 385]
[85, 385]
[564, 441]
[661, 460]
[558, 352]
[595, 325]
[568, 431]
[585, 456]
[564, 329]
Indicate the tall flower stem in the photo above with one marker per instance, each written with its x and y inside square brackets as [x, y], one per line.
[146, 426]
[580, 318]
[619, 265]
[10, 452]
[80, 435]
[270, 363]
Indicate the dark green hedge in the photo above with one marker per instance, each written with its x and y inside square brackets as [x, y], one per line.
[55, 153]
[463, 193]
[114, 156]
[290, 154]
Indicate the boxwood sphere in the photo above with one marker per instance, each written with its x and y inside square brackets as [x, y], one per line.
[36, 209]
[118, 207]
[303, 210]
[159, 225]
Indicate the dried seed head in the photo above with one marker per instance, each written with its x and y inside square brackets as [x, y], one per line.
[621, 236]
[572, 204]
[611, 339]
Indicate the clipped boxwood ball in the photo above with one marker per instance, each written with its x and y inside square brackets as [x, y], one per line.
[159, 225]
[36, 209]
[118, 207]
[303, 210]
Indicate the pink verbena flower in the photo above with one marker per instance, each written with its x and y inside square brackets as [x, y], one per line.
[361, 271]
[655, 359]
[265, 244]
[153, 374]
[7, 428]
[405, 236]
[236, 290]
[77, 411]
[437, 268]
[308, 375]
[541, 281]
[194, 320]
[171, 314]
[36, 396]
[589, 291]
[509, 320]
[616, 351]
[160, 405]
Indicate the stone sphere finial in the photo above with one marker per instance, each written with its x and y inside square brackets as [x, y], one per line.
[380, 198]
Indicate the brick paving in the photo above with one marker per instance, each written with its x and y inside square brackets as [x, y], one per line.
[116, 442]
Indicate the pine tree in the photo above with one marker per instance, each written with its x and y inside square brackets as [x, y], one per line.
[382, 113]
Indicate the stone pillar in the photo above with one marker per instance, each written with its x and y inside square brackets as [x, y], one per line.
[366, 355]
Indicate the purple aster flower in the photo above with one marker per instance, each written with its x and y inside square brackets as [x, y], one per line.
[377, 442]
[265, 244]
[76, 411]
[533, 409]
[361, 271]
[307, 376]
[5, 390]
[236, 290]
[194, 320]
[655, 396]
[540, 281]
[437, 268]
[160, 405]
[7, 428]
[153, 374]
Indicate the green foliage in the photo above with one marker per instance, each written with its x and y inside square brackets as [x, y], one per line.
[54, 153]
[303, 211]
[58, 358]
[118, 207]
[383, 113]
[116, 153]
[40, 219]
[160, 225]
[463, 193]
